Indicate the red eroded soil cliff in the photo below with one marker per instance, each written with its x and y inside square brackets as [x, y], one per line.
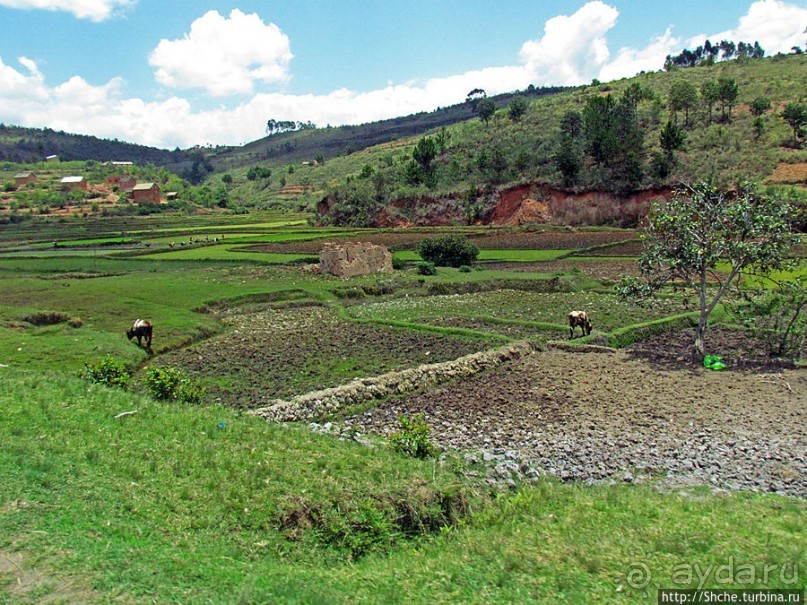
[520, 205]
[543, 204]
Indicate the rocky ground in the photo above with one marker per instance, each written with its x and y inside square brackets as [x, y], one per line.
[630, 415]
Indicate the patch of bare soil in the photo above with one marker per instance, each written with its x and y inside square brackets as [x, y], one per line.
[622, 416]
[497, 240]
[550, 240]
[739, 350]
[21, 581]
[610, 270]
[790, 173]
[511, 330]
[279, 353]
[632, 248]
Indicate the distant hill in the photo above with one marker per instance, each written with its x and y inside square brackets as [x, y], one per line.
[605, 138]
[331, 142]
[30, 145]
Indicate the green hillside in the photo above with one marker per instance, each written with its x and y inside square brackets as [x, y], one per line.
[329, 142]
[474, 158]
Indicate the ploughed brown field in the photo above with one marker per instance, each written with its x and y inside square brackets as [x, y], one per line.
[274, 354]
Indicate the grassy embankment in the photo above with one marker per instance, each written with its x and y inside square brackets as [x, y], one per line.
[199, 504]
[174, 503]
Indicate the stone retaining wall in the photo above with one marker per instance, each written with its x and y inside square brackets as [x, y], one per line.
[322, 403]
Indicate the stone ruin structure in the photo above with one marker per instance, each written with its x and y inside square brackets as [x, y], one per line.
[355, 258]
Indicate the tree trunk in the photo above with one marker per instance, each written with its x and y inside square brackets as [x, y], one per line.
[698, 352]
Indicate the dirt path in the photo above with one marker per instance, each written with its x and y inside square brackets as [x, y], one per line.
[595, 416]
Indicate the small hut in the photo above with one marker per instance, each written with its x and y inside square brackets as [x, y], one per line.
[72, 183]
[23, 178]
[146, 193]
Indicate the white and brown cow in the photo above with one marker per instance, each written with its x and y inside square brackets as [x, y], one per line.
[142, 329]
[579, 318]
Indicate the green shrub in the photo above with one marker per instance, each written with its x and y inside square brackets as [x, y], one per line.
[367, 527]
[398, 263]
[413, 438]
[172, 384]
[107, 371]
[379, 288]
[776, 317]
[426, 268]
[448, 251]
[353, 292]
[465, 269]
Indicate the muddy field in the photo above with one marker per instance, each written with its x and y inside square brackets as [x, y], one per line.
[511, 330]
[509, 240]
[626, 416]
[611, 270]
[285, 352]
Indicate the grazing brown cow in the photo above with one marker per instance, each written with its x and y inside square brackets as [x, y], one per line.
[579, 318]
[142, 329]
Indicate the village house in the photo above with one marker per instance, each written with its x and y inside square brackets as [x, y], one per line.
[23, 178]
[124, 183]
[146, 193]
[74, 182]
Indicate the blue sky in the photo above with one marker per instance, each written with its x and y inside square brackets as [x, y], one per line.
[200, 72]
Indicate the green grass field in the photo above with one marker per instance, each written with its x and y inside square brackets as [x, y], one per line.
[197, 504]
[108, 495]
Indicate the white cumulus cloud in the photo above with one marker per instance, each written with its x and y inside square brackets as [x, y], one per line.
[776, 25]
[224, 55]
[573, 48]
[631, 61]
[94, 10]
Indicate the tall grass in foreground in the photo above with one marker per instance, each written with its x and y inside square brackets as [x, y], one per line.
[190, 504]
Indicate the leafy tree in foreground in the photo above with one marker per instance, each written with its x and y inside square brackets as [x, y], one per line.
[702, 227]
